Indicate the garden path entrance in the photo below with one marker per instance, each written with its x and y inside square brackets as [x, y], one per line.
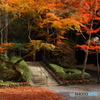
[40, 76]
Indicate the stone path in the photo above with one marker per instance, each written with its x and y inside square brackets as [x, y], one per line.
[78, 92]
[40, 76]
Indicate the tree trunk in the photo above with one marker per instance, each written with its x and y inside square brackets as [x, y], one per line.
[98, 67]
[84, 65]
[6, 30]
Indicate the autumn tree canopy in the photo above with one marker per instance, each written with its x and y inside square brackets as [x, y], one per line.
[51, 19]
[89, 17]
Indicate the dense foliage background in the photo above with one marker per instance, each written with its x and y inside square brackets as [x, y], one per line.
[29, 26]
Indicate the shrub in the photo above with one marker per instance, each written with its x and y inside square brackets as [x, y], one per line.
[67, 70]
[66, 73]
[58, 70]
[1, 81]
[22, 68]
[75, 74]
[7, 71]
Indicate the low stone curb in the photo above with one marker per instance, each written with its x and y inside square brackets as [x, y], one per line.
[52, 74]
[13, 84]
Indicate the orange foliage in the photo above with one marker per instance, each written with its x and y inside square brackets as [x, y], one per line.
[2, 49]
[10, 1]
[8, 44]
[97, 18]
[28, 93]
[86, 13]
[83, 47]
[90, 49]
[60, 37]
[98, 13]
[59, 42]
[5, 46]
[78, 33]
[93, 31]
[24, 6]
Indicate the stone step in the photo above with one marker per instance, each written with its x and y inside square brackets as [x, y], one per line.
[40, 76]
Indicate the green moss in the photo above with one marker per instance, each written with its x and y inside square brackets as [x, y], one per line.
[1, 81]
[22, 68]
[58, 70]
[77, 76]
[72, 70]
[66, 73]
[7, 71]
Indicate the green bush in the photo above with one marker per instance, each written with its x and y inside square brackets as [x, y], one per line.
[1, 81]
[22, 68]
[58, 70]
[66, 73]
[75, 74]
[72, 70]
[7, 71]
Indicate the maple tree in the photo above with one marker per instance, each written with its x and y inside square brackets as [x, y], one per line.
[50, 20]
[42, 17]
[5, 46]
[40, 14]
[30, 11]
[64, 53]
[89, 17]
[33, 47]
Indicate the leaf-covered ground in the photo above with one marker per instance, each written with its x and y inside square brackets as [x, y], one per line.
[28, 93]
